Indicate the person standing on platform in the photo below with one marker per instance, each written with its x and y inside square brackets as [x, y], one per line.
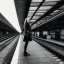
[27, 36]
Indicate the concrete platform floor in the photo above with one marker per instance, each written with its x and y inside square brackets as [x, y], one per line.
[38, 54]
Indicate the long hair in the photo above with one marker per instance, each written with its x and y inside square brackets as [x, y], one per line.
[25, 24]
[25, 21]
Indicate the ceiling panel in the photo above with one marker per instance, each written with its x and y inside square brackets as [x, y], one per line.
[30, 14]
[31, 11]
[39, 14]
[32, 20]
[35, 17]
[45, 7]
[42, 10]
[49, 3]
[34, 4]
[33, 8]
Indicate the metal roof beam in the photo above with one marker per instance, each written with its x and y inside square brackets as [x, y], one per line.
[37, 9]
[27, 8]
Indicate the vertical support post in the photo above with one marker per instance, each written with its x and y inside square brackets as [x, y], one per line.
[57, 34]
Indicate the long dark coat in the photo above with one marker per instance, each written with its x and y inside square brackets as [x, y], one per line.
[27, 32]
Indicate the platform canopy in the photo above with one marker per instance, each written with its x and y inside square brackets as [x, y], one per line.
[22, 7]
[38, 11]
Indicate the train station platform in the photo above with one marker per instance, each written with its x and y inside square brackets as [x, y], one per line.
[38, 54]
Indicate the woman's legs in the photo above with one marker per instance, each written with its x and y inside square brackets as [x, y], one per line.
[25, 47]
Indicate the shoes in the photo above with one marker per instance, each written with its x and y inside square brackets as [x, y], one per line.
[26, 54]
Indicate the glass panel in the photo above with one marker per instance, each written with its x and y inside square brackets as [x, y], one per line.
[45, 7]
[39, 13]
[36, 0]
[31, 11]
[34, 4]
[33, 8]
[32, 20]
[36, 17]
[30, 14]
[49, 3]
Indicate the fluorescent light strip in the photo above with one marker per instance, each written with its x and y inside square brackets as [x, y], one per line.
[36, 0]
[39, 13]
[34, 4]
[45, 7]
[49, 3]
[32, 20]
[31, 11]
[33, 8]
[34, 17]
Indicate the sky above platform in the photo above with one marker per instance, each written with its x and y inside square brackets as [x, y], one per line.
[7, 9]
